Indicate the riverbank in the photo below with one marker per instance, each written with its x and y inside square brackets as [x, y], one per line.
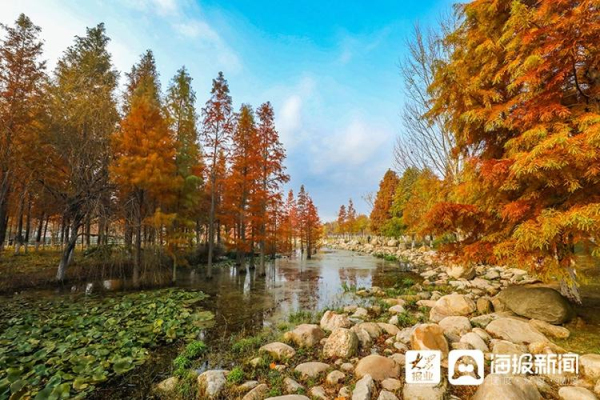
[359, 350]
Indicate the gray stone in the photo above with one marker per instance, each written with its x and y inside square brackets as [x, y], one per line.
[342, 343]
[389, 328]
[372, 328]
[506, 347]
[345, 392]
[422, 391]
[168, 385]
[278, 350]
[541, 303]
[590, 365]
[507, 387]
[317, 392]
[575, 393]
[385, 395]
[360, 313]
[289, 397]
[475, 341]
[311, 369]
[397, 309]
[558, 332]
[364, 388]
[452, 305]
[377, 367]
[291, 386]
[391, 384]
[306, 335]
[461, 272]
[515, 331]
[455, 325]
[331, 320]
[334, 377]
[212, 383]
[247, 386]
[258, 393]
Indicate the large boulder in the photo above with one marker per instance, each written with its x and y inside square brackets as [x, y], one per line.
[331, 320]
[507, 388]
[211, 383]
[452, 305]
[378, 367]
[515, 331]
[305, 335]
[278, 350]
[541, 303]
[429, 337]
[342, 343]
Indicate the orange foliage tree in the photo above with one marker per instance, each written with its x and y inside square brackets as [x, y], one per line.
[22, 79]
[521, 91]
[242, 182]
[384, 199]
[144, 154]
[271, 176]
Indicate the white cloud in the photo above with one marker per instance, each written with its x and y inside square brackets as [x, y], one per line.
[291, 120]
[351, 147]
[207, 38]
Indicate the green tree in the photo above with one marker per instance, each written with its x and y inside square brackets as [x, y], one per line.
[83, 114]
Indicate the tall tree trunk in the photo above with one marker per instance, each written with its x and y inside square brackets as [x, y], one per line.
[38, 235]
[138, 240]
[4, 193]
[45, 231]
[67, 255]
[19, 233]
[211, 218]
[88, 231]
[28, 225]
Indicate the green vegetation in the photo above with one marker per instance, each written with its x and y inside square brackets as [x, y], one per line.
[191, 352]
[302, 317]
[63, 347]
[236, 375]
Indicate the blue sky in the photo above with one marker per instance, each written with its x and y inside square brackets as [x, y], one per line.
[330, 69]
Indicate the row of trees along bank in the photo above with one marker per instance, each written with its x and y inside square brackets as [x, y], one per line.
[499, 155]
[149, 174]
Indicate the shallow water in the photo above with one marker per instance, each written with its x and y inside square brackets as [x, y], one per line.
[246, 303]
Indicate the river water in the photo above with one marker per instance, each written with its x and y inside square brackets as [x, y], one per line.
[246, 303]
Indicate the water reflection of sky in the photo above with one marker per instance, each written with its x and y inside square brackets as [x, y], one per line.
[246, 302]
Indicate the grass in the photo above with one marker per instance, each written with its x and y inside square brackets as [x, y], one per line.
[184, 360]
[302, 317]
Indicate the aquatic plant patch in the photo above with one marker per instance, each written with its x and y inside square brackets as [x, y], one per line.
[63, 347]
